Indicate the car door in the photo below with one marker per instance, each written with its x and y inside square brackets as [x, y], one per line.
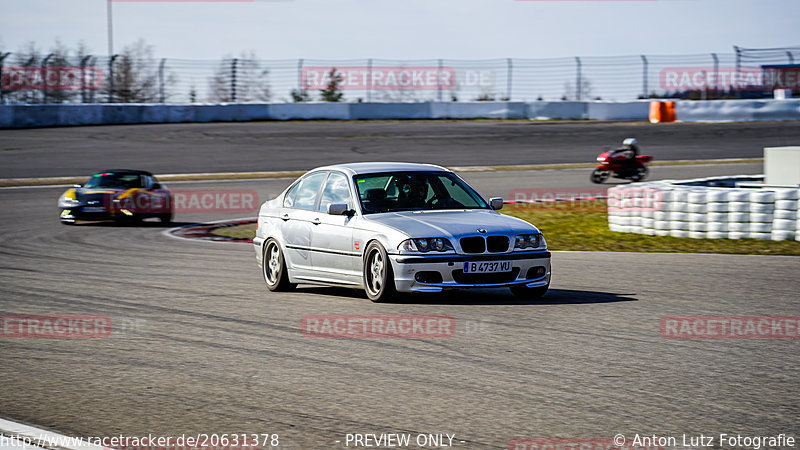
[158, 201]
[296, 227]
[335, 254]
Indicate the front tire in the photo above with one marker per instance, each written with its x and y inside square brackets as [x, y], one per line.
[599, 176]
[276, 277]
[530, 293]
[378, 276]
[165, 218]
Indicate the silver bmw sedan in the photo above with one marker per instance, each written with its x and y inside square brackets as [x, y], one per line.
[396, 227]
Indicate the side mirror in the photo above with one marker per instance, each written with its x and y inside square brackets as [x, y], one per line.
[496, 203]
[156, 186]
[338, 209]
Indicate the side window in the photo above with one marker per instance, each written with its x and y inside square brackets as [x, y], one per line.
[336, 191]
[307, 192]
[149, 182]
[369, 183]
[288, 200]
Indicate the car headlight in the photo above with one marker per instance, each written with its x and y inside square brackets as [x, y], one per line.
[524, 241]
[424, 245]
[68, 200]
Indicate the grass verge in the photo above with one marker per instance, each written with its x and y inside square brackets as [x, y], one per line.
[246, 231]
[585, 227]
[567, 227]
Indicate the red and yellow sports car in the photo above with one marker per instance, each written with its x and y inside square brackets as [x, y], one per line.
[125, 196]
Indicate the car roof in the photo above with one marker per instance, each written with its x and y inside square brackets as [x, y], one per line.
[136, 171]
[377, 167]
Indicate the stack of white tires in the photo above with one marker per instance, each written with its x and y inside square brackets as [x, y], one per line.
[670, 208]
[786, 221]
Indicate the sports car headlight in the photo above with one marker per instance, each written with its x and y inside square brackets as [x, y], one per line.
[524, 241]
[424, 245]
[68, 200]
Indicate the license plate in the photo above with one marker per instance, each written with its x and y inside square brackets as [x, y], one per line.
[487, 266]
[93, 209]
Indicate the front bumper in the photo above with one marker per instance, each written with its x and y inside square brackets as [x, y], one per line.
[75, 214]
[408, 277]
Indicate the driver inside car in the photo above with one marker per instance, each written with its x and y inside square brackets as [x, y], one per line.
[413, 193]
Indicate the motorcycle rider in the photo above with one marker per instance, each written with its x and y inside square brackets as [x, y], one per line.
[630, 150]
[624, 162]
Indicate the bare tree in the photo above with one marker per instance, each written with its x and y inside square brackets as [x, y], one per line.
[241, 80]
[20, 75]
[570, 93]
[91, 75]
[135, 75]
[55, 88]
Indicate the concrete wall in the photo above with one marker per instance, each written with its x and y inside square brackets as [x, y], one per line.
[309, 111]
[738, 110]
[24, 116]
[478, 110]
[619, 110]
[782, 165]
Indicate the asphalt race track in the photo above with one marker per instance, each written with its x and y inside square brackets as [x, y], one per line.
[268, 146]
[198, 345]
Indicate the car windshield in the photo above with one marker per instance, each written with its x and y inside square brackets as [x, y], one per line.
[415, 191]
[114, 180]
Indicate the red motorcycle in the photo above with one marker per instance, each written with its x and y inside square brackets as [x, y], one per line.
[625, 163]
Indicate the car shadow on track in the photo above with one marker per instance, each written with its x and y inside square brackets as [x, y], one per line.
[484, 297]
[504, 297]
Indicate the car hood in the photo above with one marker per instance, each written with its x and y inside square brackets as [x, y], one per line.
[83, 192]
[451, 223]
[102, 195]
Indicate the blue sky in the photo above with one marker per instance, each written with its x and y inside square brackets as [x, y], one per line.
[408, 29]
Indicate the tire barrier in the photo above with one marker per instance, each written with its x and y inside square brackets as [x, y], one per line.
[700, 209]
[662, 112]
